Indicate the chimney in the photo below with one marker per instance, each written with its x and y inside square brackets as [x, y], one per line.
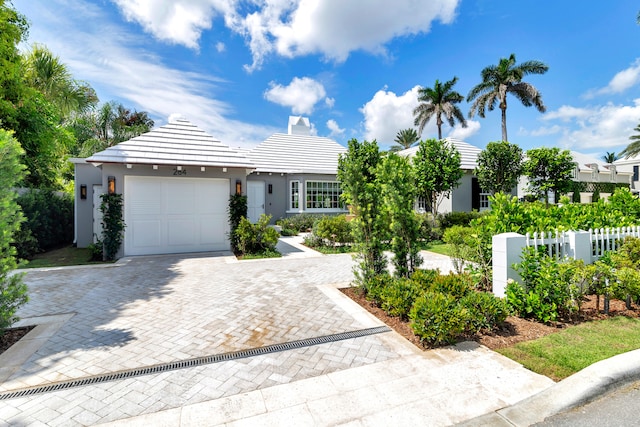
[299, 125]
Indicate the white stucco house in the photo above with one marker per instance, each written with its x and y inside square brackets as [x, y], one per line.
[632, 167]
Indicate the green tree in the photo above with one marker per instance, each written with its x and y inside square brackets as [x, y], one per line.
[610, 157]
[549, 169]
[498, 81]
[13, 292]
[436, 101]
[397, 181]
[499, 167]
[360, 189]
[633, 149]
[437, 165]
[405, 139]
[45, 72]
[13, 28]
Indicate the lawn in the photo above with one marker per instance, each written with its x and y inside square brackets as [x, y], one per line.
[562, 354]
[65, 256]
[438, 247]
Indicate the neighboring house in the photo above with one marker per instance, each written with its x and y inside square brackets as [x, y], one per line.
[175, 181]
[294, 172]
[590, 176]
[468, 195]
[632, 167]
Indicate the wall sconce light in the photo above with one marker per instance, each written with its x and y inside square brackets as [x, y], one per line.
[238, 186]
[224, 169]
[83, 192]
[155, 167]
[270, 188]
[202, 169]
[111, 187]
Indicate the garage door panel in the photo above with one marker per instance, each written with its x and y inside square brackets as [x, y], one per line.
[174, 215]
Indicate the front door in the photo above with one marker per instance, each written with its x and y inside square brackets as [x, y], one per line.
[255, 200]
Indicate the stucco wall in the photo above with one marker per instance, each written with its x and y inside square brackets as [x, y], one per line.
[89, 175]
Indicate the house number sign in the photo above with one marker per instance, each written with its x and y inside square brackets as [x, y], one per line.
[179, 172]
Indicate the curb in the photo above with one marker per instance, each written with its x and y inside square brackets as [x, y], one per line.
[577, 390]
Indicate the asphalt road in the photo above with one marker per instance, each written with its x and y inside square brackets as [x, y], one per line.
[618, 408]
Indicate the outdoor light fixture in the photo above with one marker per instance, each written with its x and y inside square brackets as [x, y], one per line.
[111, 187]
[224, 169]
[270, 188]
[155, 167]
[238, 186]
[83, 191]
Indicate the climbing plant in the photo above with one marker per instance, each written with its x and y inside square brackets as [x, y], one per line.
[112, 225]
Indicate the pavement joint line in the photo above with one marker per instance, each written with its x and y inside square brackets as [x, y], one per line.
[191, 363]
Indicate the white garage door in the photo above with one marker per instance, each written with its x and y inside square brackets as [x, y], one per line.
[175, 215]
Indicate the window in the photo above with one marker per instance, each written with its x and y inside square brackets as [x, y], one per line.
[576, 171]
[484, 201]
[323, 195]
[636, 173]
[613, 173]
[594, 173]
[421, 205]
[294, 195]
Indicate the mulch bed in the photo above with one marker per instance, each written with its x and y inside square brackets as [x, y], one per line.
[512, 331]
[12, 336]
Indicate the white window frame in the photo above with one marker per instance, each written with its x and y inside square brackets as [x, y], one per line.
[291, 194]
[485, 204]
[613, 173]
[314, 204]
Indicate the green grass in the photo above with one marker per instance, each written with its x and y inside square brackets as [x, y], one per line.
[439, 248]
[263, 254]
[329, 250]
[562, 354]
[65, 256]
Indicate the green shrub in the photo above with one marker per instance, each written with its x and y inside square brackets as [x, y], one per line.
[301, 222]
[374, 286]
[256, 238]
[486, 311]
[397, 297]
[456, 285]
[113, 225]
[462, 219]
[437, 318]
[237, 210]
[48, 221]
[13, 295]
[334, 229]
[424, 278]
[288, 232]
[96, 251]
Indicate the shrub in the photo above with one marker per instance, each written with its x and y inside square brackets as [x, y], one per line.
[456, 285]
[486, 311]
[48, 222]
[256, 238]
[113, 225]
[301, 223]
[237, 210]
[397, 297]
[437, 318]
[333, 229]
[374, 286]
[462, 219]
[425, 278]
[13, 295]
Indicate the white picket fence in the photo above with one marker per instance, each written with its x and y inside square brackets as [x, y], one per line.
[588, 246]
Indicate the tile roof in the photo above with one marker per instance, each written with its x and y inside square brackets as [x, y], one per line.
[176, 143]
[468, 153]
[287, 153]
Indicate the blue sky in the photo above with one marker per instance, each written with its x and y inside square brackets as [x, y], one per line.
[239, 68]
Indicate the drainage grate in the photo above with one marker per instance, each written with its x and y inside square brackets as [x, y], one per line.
[190, 363]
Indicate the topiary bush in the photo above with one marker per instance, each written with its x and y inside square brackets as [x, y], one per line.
[437, 318]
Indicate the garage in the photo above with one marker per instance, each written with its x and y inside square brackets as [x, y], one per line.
[175, 215]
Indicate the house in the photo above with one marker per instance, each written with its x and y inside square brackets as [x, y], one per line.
[468, 195]
[590, 176]
[175, 182]
[294, 173]
[630, 166]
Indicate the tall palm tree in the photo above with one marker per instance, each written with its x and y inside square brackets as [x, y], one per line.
[633, 149]
[45, 72]
[436, 101]
[405, 139]
[505, 78]
[610, 157]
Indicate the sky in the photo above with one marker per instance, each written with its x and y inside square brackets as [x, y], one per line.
[239, 68]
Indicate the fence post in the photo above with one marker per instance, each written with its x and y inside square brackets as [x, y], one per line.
[580, 246]
[507, 250]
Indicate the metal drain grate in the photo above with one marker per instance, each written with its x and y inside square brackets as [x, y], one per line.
[190, 363]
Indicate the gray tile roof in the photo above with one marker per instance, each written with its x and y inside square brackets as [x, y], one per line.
[468, 153]
[176, 143]
[287, 153]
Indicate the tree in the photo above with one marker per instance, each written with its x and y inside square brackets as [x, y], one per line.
[610, 157]
[436, 101]
[437, 165]
[633, 149]
[405, 139]
[45, 72]
[499, 167]
[549, 169]
[360, 189]
[498, 81]
[397, 181]
[13, 292]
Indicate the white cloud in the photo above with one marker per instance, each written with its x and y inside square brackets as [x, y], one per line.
[622, 81]
[332, 28]
[334, 128]
[98, 59]
[302, 94]
[458, 132]
[220, 47]
[330, 102]
[387, 113]
[604, 127]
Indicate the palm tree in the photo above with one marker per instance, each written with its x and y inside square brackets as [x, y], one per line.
[46, 73]
[436, 101]
[610, 157]
[505, 78]
[633, 149]
[405, 139]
